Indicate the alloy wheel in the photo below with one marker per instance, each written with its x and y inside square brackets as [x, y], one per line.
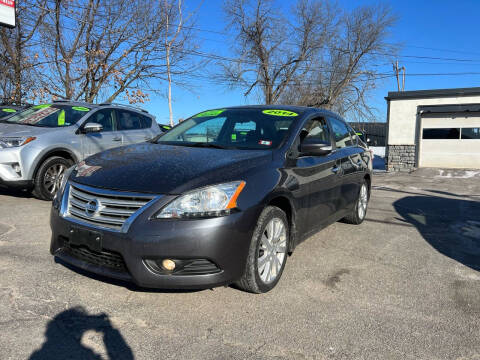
[362, 202]
[272, 250]
[53, 178]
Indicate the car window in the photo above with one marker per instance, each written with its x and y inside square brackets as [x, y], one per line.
[146, 122]
[353, 135]
[316, 129]
[104, 118]
[48, 115]
[340, 133]
[129, 120]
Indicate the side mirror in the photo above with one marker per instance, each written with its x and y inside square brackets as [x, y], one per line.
[315, 148]
[92, 128]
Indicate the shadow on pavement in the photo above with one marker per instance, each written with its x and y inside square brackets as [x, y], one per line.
[64, 337]
[16, 193]
[451, 226]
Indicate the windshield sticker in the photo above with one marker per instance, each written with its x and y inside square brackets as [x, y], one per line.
[210, 113]
[166, 127]
[80, 108]
[42, 106]
[9, 110]
[234, 136]
[84, 170]
[265, 142]
[39, 115]
[61, 118]
[279, 113]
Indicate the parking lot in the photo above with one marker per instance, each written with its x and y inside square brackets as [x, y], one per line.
[403, 285]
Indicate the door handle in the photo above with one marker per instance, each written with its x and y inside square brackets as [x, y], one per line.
[118, 138]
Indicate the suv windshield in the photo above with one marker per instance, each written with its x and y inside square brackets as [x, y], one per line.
[232, 128]
[49, 115]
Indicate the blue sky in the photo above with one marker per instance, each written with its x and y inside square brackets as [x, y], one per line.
[426, 28]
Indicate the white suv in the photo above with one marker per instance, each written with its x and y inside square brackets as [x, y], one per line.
[37, 145]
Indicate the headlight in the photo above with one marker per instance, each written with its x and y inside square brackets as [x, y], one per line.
[210, 201]
[8, 142]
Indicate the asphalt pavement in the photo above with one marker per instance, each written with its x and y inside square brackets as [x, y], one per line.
[403, 285]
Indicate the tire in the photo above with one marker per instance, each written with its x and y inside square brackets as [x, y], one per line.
[253, 280]
[49, 176]
[359, 212]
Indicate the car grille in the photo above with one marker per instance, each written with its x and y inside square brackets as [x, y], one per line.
[103, 208]
[104, 258]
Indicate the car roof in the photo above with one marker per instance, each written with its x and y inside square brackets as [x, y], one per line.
[301, 110]
[98, 106]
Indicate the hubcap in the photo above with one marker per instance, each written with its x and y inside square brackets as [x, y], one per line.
[363, 201]
[272, 250]
[53, 178]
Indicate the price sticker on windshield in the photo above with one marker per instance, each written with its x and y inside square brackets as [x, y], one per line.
[39, 115]
[280, 113]
[210, 113]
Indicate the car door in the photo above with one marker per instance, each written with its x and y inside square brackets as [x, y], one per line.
[134, 127]
[106, 139]
[318, 176]
[350, 163]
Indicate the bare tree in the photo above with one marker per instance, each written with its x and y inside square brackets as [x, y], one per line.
[17, 52]
[271, 48]
[343, 71]
[320, 55]
[100, 49]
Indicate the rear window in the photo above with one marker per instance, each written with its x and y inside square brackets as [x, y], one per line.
[48, 115]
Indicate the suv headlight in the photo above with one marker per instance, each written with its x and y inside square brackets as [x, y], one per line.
[8, 142]
[210, 201]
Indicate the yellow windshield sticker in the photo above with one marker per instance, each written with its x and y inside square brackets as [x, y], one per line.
[43, 106]
[210, 113]
[279, 113]
[61, 118]
[80, 108]
[9, 110]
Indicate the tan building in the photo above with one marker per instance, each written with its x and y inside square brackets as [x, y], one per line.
[433, 128]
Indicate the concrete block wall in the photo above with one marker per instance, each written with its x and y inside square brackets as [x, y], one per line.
[401, 158]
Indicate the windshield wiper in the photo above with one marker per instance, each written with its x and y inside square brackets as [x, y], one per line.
[207, 145]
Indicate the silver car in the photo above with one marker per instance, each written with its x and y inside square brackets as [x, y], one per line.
[37, 145]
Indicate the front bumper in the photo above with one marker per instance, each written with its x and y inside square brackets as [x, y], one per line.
[16, 165]
[222, 241]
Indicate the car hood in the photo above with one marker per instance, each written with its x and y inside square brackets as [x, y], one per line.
[166, 169]
[18, 130]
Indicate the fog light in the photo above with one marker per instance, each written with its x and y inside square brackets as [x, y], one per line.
[17, 169]
[168, 264]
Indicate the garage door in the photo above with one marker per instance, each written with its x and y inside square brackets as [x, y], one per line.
[450, 141]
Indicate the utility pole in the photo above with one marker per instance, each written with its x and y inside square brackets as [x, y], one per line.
[397, 74]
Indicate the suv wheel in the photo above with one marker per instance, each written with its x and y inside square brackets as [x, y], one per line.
[268, 252]
[360, 210]
[49, 177]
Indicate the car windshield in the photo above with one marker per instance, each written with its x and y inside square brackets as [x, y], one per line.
[6, 112]
[233, 128]
[49, 115]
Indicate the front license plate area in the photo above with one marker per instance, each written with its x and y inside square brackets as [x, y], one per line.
[90, 239]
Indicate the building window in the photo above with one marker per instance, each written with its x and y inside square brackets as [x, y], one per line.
[447, 133]
[471, 133]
